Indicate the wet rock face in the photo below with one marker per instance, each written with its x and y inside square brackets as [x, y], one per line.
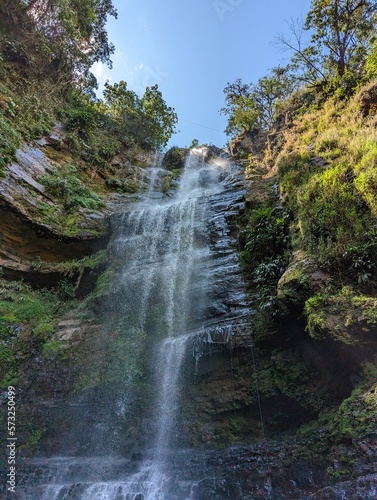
[218, 400]
[224, 314]
[226, 289]
[174, 158]
[35, 229]
[35, 232]
[21, 244]
[362, 487]
[275, 471]
[22, 193]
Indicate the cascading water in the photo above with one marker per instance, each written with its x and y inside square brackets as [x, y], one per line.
[165, 293]
[163, 254]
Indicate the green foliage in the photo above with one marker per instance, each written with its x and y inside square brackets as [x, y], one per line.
[286, 374]
[24, 116]
[174, 158]
[356, 417]
[332, 190]
[64, 184]
[116, 356]
[371, 63]
[342, 30]
[294, 170]
[62, 38]
[161, 119]
[334, 312]
[360, 259]
[266, 236]
[255, 106]
[7, 356]
[104, 282]
[316, 315]
[28, 319]
[331, 215]
[341, 34]
[34, 438]
[33, 113]
[99, 130]
[241, 108]
[92, 135]
[147, 119]
[330, 223]
[28, 308]
[366, 180]
[125, 355]
[65, 290]
[49, 48]
[10, 140]
[53, 347]
[266, 240]
[81, 113]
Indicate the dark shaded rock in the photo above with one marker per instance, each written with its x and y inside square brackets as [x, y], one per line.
[300, 279]
[358, 489]
[55, 138]
[213, 152]
[252, 142]
[174, 158]
[367, 99]
[318, 161]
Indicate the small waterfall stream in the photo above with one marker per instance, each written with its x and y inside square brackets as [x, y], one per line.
[165, 290]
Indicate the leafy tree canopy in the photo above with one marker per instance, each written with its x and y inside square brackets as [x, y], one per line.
[148, 118]
[254, 106]
[67, 36]
[342, 32]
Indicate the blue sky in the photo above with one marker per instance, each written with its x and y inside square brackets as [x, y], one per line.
[192, 48]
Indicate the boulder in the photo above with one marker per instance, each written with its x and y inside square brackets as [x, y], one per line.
[174, 158]
[301, 278]
[251, 142]
[367, 99]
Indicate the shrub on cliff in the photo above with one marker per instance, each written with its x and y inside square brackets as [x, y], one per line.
[174, 158]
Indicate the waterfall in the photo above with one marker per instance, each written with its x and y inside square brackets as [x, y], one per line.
[169, 290]
[162, 260]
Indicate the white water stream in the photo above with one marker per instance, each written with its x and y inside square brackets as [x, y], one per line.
[162, 264]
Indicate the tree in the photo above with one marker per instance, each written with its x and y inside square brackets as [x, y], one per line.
[240, 107]
[123, 104]
[254, 106]
[306, 58]
[161, 119]
[342, 31]
[148, 119]
[371, 63]
[270, 91]
[68, 35]
[341, 34]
